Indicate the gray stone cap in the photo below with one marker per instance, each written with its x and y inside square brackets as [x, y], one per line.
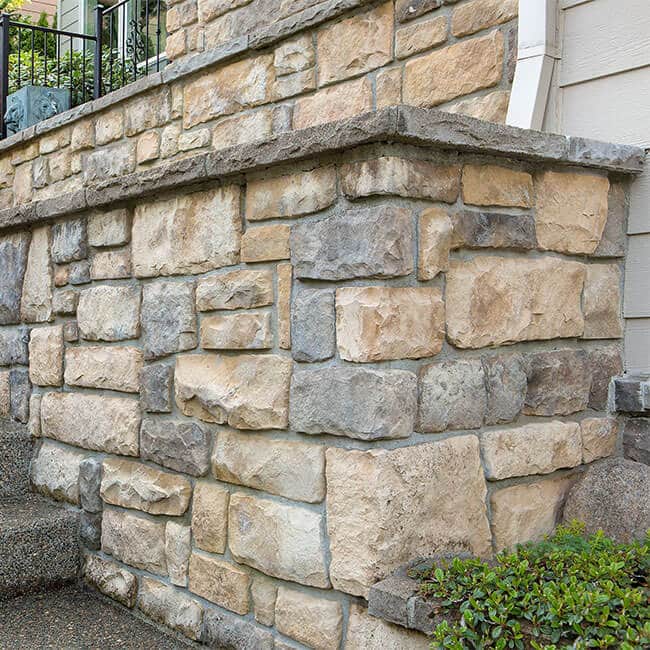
[632, 394]
[427, 128]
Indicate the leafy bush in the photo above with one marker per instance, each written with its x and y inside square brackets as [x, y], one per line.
[569, 591]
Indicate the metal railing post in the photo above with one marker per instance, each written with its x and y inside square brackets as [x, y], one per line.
[99, 21]
[4, 71]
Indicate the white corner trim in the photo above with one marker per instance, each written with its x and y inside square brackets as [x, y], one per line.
[536, 56]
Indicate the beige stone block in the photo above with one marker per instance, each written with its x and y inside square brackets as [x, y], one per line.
[315, 622]
[111, 265]
[495, 300]
[383, 323]
[388, 91]
[241, 129]
[131, 484]
[23, 184]
[285, 277]
[601, 302]
[46, 356]
[175, 45]
[493, 185]
[409, 501]
[263, 594]
[283, 541]
[419, 37]
[266, 243]
[54, 141]
[334, 103]
[110, 424]
[539, 448]
[220, 582]
[111, 368]
[34, 422]
[454, 71]
[109, 126]
[434, 243]
[292, 195]
[365, 632]
[246, 391]
[111, 579]
[355, 45]
[5, 393]
[83, 135]
[294, 470]
[55, 471]
[188, 141]
[210, 516]
[178, 544]
[241, 331]
[191, 233]
[109, 313]
[599, 436]
[492, 107]
[243, 289]
[36, 301]
[147, 147]
[148, 111]
[169, 140]
[294, 56]
[295, 84]
[472, 17]
[571, 211]
[523, 513]
[110, 228]
[408, 178]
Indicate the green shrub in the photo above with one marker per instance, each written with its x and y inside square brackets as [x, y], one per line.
[569, 591]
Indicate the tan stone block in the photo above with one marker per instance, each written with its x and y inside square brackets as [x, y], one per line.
[60, 166]
[472, 17]
[109, 313]
[191, 233]
[178, 544]
[266, 243]
[383, 323]
[148, 147]
[110, 228]
[295, 55]
[36, 301]
[294, 470]
[131, 484]
[285, 277]
[23, 184]
[407, 178]
[110, 368]
[111, 265]
[111, 579]
[492, 107]
[242, 331]
[54, 141]
[355, 45]
[420, 37]
[247, 391]
[292, 195]
[220, 582]
[54, 471]
[571, 211]
[601, 302]
[188, 141]
[409, 500]
[365, 632]
[434, 243]
[523, 513]
[316, 622]
[46, 356]
[334, 103]
[492, 185]
[210, 516]
[242, 129]
[599, 436]
[175, 45]
[83, 135]
[388, 88]
[264, 594]
[455, 71]
[169, 140]
[539, 448]
[148, 111]
[494, 300]
[34, 422]
[5, 394]
[109, 126]
[243, 289]
[294, 84]
[283, 541]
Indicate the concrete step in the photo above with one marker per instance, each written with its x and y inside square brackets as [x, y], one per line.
[75, 618]
[39, 546]
[15, 455]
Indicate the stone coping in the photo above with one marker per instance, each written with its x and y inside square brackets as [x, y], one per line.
[632, 394]
[429, 128]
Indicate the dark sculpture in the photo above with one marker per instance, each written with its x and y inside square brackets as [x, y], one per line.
[33, 104]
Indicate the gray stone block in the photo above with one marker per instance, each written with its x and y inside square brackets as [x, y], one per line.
[313, 324]
[156, 382]
[506, 383]
[20, 389]
[90, 478]
[474, 229]
[604, 364]
[79, 272]
[636, 440]
[14, 346]
[13, 262]
[69, 241]
[612, 242]
[224, 631]
[389, 599]
[90, 529]
[628, 395]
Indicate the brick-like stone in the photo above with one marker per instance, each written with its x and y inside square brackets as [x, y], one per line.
[111, 368]
[111, 265]
[243, 128]
[246, 391]
[452, 396]
[531, 449]
[457, 70]
[420, 37]
[506, 382]
[492, 107]
[224, 630]
[111, 579]
[283, 541]
[388, 91]
[294, 56]
[294, 470]
[178, 545]
[402, 177]
[46, 356]
[109, 126]
[612, 243]
[489, 185]
[601, 302]
[55, 472]
[64, 302]
[409, 500]
[313, 324]
[494, 300]
[220, 582]
[358, 243]
[109, 313]
[13, 262]
[79, 272]
[210, 516]
[242, 331]
[434, 242]
[365, 631]
[109, 424]
[90, 530]
[599, 437]
[90, 478]
[243, 289]
[604, 364]
[284, 282]
[263, 594]
[111, 228]
[69, 241]
[191, 233]
[156, 382]
[472, 17]
[571, 211]
[483, 229]
[20, 390]
[266, 243]
[636, 439]
[359, 403]
[36, 301]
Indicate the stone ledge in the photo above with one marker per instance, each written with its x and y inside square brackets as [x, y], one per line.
[632, 395]
[430, 128]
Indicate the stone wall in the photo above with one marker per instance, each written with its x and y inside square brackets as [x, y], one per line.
[271, 376]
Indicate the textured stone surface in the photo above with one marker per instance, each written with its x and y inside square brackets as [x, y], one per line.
[571, 211]
[406, 10]
[601, 302]
[359, 403]
[111, 265]
[313, 324]
[109, 228]
[19, 393]
[247, 391]
[235, 290]
[46, 356]
[417, 38]
[366, 242]
[109, 313]
[599, 437]
[434, 242]
[636, 439]
[90, 530]
[36, 302]
[107, 424]
[13, 261]
[480, 14]
[210, 516]
[266, 243]
[613, 496]
[316, 622]
[494, 300]
[64, 302]
[55, 472]
[69, 241]
[112, 368]
[506, 382]
[492, 185]
[492, 107]
[90, 478]
[111, 579]
[604, 364]
[452, 396]
[191, 233]
[134, 540]
[180, 445]
[243, 331]
[156, 388]
[365, 631]
[285, 281]
[220, 582]
[383, 323]
[532, 449]
[79, 272]
[280, 540]
[178, 543]
[263, 594]
[409, 500]
[290, 469]
[168, 318]
[14, 346]
[474, 229]
[5, 394]
[223, 630]
[612, 243]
